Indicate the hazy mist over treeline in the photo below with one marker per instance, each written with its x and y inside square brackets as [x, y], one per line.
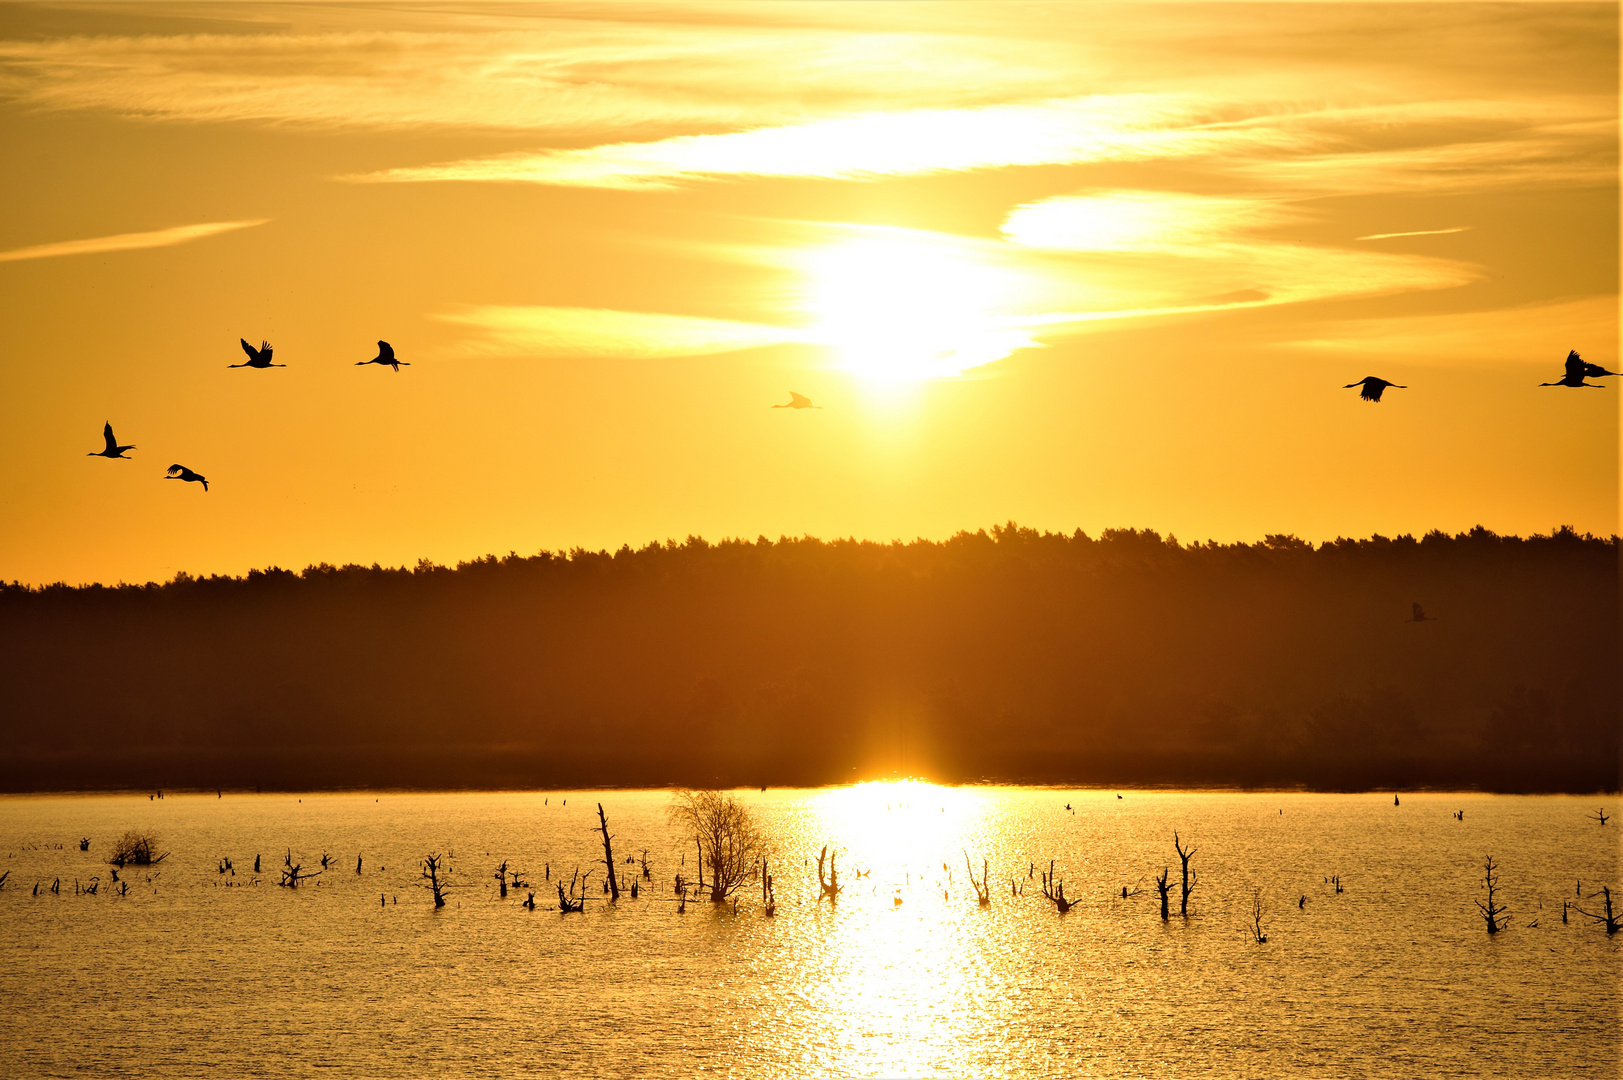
[1003, 655]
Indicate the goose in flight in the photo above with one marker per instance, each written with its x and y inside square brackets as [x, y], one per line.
[1420, 615]
[1577, 368]
[385, 356]
[181, 472]
[798, 401]
[113, 450]
[259, 358]
[1372, 387]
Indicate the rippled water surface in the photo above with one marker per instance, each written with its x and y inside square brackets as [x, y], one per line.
[194, 970]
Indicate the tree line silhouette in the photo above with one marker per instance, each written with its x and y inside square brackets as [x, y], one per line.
[1005, 655]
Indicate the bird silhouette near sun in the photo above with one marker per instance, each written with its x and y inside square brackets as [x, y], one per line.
[385, 356]
[798, 401]
[1372, 388]
[112, 450]
[257, 358]
[181, 472]
[1577, 369]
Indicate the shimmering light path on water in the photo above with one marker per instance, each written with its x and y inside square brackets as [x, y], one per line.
[197, 970]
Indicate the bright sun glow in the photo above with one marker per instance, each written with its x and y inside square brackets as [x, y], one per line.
[899, 306]
[896, 822]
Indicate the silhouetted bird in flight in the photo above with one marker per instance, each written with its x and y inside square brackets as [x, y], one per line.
[1372, 387]
[385, 356]
[181, 472]
[1577, 368]
[1420, 615]
[260, 357]
[798, 401]
[113, 449]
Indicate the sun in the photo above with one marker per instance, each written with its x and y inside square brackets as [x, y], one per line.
[900, 306]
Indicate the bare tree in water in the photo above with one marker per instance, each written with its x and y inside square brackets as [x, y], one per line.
[1188, 883]
[730, 842]
[1493, 912]
[1607, 916]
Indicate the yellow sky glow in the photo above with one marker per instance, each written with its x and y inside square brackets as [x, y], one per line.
[1077, 266]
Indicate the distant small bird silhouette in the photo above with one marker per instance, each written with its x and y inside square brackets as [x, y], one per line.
[1420, 615]
[258, 358]
[385, 356]
[1577, 368]
[798, 401]
[1372, 387]
[113, 450]
[181, 472]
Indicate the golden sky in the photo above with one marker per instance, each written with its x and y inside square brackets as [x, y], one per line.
[1078, 266]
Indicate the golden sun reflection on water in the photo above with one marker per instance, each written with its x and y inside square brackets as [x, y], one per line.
[904, 955]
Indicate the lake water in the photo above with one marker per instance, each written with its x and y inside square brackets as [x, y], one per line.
[195, 971]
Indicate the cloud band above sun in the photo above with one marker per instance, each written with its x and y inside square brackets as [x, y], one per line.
[1495, 144]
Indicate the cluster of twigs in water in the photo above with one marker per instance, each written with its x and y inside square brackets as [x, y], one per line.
[293, 873]
[133, 849]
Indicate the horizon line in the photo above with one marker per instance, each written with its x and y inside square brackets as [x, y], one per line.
[995, 534]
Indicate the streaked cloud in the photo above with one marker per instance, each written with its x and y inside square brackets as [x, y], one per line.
[1137, 220]
[1417, 232]
[1466, 144]
[1575, 149]
[488, 69]
[128, 241]
[1523, 334]
[598, 333]
[1149, 250]
[896, 143]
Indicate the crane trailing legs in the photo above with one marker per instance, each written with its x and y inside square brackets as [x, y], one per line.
[1372, 387]
[257, 358]
[385, 356]
[1577, 369]
[112, 450]
[181, 472]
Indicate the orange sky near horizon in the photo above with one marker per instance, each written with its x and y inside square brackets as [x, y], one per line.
[1073, 266]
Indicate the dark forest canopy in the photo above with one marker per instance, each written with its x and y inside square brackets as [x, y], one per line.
[1004, 655]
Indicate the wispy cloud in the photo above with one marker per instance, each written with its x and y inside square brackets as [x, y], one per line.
[1139, 220]
[128, 241]
[1467, 144]
[1417, 232]
[1525, 334]
[896, 143]
[599, 333]
[1156, 249]
[1577, 147]
[493, 70]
